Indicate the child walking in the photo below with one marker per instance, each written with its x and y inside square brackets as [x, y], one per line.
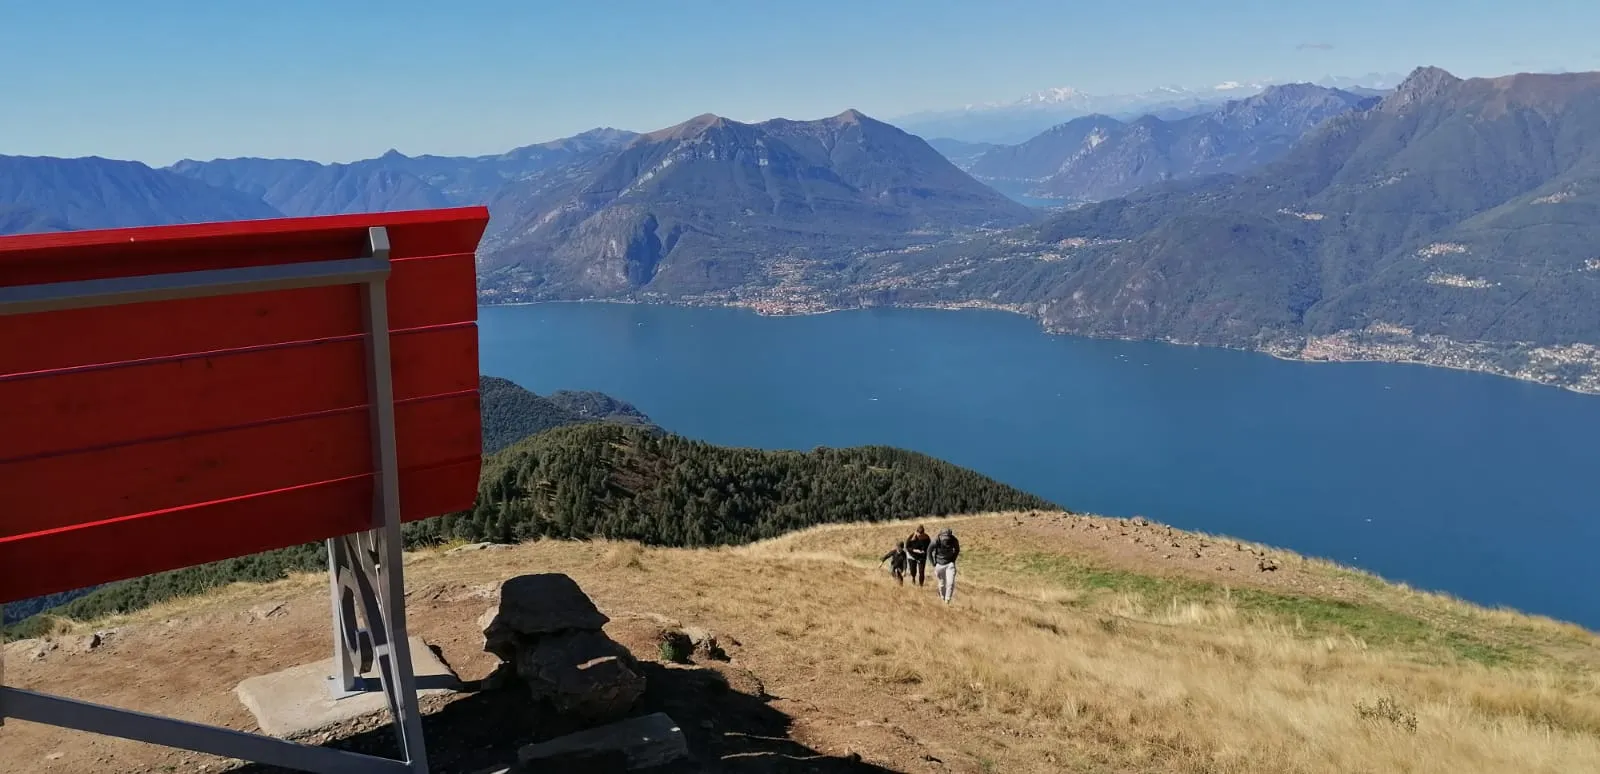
[897, 562]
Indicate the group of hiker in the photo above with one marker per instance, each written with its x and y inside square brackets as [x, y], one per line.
[911, 556]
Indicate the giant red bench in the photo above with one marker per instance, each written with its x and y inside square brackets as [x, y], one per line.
[177, 395]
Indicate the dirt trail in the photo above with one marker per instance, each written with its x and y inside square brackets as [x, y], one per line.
[753, 714]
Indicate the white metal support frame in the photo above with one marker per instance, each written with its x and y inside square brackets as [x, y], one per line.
[365, 569]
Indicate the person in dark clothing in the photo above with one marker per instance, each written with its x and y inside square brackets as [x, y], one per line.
[897, 559]
[944, 551]
[917, 548]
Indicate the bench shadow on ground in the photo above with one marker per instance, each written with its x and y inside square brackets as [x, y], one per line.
[728, 730]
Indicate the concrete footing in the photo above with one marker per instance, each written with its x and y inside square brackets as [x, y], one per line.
[298, 701]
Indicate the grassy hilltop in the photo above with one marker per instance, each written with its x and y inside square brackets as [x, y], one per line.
[1075, 644]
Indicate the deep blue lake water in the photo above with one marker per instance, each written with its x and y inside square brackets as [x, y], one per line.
[1480, 486]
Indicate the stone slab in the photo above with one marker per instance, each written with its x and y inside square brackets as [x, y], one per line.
[635, 743]
[297, 700]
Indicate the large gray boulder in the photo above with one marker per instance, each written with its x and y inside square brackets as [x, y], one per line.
[582, 674]
[547, 633]
[531, 605]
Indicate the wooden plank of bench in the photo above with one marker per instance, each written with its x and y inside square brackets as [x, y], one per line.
[112, 334]
[130, 547]
[58, 412]
[63, 490]
[69, 256]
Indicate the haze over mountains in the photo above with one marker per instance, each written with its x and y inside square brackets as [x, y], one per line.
[1098, 157]
[1008, 123]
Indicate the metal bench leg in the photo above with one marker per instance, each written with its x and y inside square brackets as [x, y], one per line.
[385, 610]
[365, 577]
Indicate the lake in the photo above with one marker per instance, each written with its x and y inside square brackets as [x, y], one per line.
[1477, 485]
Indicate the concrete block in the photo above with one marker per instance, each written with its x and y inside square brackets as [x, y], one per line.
[297, 700]
[635, 743]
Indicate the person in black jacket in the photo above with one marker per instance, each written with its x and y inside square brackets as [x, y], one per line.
[917, 548]
[897, 559]
[944, 552]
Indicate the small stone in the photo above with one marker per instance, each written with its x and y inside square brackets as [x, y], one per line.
[704, 643]
[479, 547]
[269, 610]
[1140, 521]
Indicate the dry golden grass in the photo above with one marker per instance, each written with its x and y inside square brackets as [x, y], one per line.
[1144, 674]
[1050, 661]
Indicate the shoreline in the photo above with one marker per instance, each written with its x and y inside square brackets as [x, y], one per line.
[1293, 357]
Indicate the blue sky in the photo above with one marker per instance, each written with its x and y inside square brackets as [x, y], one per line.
[336, 80]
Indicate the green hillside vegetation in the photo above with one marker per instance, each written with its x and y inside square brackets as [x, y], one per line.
[621, 483]
[511, 413]
[603, 479]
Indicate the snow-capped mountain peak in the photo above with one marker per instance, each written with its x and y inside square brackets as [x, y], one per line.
[1051, 96]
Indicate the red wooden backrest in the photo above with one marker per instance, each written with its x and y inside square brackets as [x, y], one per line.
[165, 434]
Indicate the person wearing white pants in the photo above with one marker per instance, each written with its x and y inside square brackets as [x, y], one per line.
[945, 574]
[943, 552]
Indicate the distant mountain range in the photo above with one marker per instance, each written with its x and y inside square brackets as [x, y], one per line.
[394, 181]
[1450, 221]
[51, 194]
[1456, 222]
[713, 204]
[1098, 157]
[1009, 123]
[54, 194]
